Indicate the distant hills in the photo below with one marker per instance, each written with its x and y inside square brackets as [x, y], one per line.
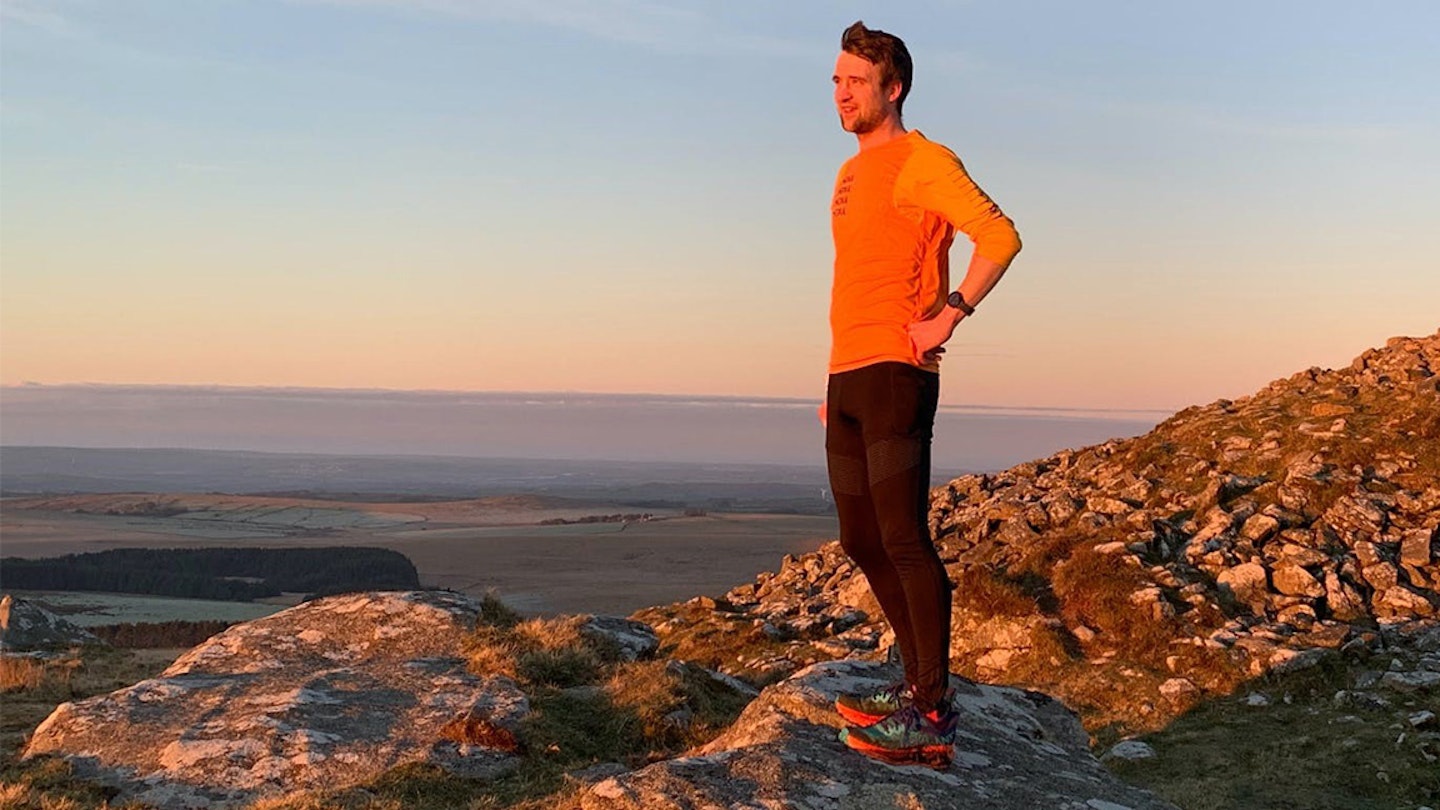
[30, 471]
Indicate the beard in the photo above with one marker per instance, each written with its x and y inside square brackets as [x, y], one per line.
[863, 122]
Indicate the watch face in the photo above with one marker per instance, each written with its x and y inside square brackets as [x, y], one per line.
[955, 300]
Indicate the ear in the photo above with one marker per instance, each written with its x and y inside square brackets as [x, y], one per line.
[893, 91]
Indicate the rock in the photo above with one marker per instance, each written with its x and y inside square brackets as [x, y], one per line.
[326, 694]
[1355, 515]
[1129, 751]
[635, 640]
[1179, 689]
[1294, 554]
[1415, 549]
[25, 625]
[1233, 486]
[1345, 602]
[1418, 681]
[1153, 602]
[1401, 601]
[1296, 581]
[1381, 576]
[995, 642]
[596, 773]
[1422, 719]
[1256, 699]
[1108, 506]
[1301, 617]
[1017, 750]
[1246, 585]
[1259, 527]
[1285, 660]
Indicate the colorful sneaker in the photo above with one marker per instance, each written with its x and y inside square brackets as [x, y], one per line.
[863, 710]
[907, 737]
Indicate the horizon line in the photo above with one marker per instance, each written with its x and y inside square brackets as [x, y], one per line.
[737, 398]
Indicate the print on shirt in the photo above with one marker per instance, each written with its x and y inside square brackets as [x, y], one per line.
[842, 195]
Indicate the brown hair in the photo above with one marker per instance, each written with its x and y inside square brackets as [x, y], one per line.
[886, 50]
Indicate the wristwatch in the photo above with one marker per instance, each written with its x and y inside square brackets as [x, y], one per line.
[957, 301]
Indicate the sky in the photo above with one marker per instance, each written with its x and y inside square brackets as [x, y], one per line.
[631, 196]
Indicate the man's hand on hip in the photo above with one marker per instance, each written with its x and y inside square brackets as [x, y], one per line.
[928, 337]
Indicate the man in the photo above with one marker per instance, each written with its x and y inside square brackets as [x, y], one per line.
[896, 207]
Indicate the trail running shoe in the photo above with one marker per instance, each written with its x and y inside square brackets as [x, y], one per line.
[907, 737]
[862, 710]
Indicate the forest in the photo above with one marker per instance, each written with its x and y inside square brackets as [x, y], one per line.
[230, 574]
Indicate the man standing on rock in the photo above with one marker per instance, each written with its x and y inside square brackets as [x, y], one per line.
[896, 207]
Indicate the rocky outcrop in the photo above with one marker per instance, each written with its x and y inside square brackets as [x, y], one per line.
[26, 626]
[336, 692]
[332, 692]
[1018, 750]
[1235, 539]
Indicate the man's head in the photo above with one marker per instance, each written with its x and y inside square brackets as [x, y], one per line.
[872, 78]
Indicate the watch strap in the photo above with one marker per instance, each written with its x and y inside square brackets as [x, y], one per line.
[957, 301]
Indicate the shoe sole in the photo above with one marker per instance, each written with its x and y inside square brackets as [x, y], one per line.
[938, 757]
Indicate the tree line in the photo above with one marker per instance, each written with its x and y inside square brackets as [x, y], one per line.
[230, 574]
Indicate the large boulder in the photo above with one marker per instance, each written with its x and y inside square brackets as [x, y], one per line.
[326, 694]
[1017, 749]
[26, 626]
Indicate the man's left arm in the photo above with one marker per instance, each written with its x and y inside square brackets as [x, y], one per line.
[928, 337]
[942, 185]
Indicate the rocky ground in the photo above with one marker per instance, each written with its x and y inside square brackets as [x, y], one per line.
[1240, 607]
[327, 704]
[1246, 537]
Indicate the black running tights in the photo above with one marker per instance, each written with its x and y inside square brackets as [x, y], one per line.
[880, 419]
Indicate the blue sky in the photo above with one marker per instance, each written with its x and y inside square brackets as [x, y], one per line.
[632, 196]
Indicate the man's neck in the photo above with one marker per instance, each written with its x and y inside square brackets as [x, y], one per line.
[881, 135]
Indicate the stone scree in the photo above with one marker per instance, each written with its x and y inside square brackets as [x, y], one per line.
[1251, 525]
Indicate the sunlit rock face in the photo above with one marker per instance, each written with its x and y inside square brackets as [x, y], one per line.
[1016, 750]
[326, 694]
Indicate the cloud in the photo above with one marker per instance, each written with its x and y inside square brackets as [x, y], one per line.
[34, 13]
[664, 27]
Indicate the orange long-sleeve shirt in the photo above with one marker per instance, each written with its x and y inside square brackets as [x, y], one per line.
[894, 214]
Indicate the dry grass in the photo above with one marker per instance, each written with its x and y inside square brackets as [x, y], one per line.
[981, 590]
[18, 674]
[48, 783]
[1095, 590]
[714, 640]
[551, 652]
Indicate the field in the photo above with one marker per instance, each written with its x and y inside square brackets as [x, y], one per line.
[475, 546]
[88, 609]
